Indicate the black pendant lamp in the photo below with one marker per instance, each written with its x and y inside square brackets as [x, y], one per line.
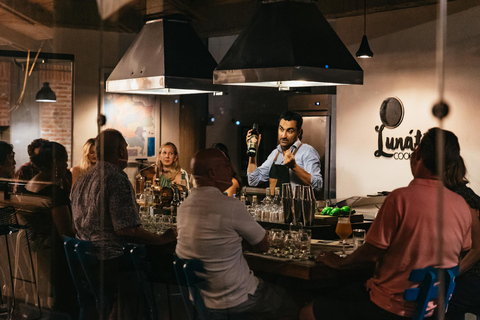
[364, 51]
[46, 94]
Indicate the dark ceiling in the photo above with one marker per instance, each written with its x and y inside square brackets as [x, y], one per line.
[24, 24]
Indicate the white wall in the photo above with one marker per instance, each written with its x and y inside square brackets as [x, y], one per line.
[92, 50]
[403, 65]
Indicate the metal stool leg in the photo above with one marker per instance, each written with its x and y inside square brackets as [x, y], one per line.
[11, 278]
[33, 280]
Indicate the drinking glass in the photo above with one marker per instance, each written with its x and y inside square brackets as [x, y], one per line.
[343, 230]
[287, 202]
[292, 245]
[278, 242]
[358, 238]
[305, 237]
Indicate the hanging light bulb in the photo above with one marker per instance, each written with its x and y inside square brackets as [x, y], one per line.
[364, 51]
[45, 94]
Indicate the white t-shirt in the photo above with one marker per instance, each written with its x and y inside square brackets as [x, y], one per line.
[211, 227]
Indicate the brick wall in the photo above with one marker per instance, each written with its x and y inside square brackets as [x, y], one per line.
[56, 117]
[5, 103]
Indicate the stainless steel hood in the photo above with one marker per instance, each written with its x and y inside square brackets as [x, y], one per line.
[288, 44]
[167, 57]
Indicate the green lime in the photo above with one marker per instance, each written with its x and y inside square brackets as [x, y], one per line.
[335, 211]
[326, 211]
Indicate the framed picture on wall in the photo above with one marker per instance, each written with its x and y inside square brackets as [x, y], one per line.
[137, 117]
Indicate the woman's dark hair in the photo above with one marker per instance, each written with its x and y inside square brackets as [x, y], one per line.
[37, 143]
[6, 149]
[49, 152]
[428, 149]
[455, 176]
[220, 146]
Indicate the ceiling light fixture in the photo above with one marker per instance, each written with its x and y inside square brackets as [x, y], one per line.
[364, 51]
[46, 94]
[288, 44]
[166, 58]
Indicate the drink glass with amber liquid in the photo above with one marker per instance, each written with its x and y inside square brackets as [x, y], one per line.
[343, 230]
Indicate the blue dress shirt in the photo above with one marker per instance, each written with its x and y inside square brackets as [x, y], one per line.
[306, 157]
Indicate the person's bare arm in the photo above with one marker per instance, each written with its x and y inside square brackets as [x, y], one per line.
[262, 246]
[474, 254]
[140, 235]
[63, 221]
[233, 189]
[363, 257]
[289, 161]
[75, 174]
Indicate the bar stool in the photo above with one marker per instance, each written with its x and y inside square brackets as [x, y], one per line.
[9, 225]
[136, 254]
[89, 292]
[178, 265]
[428, 288]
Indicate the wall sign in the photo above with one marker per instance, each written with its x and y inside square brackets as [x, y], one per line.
[398, 148]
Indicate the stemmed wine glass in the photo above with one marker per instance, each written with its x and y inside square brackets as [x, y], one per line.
[343, 230]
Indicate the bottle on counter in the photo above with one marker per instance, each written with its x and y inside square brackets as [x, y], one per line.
[175, 201]
[254, 200]
[183, 182]
[268, 199]
[244, 194]
[148, 198]
[277, 200]
[139, 184]
[157, 192]
[254, 208]
[253, 142]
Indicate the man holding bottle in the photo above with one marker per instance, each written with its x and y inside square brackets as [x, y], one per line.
[291, 162]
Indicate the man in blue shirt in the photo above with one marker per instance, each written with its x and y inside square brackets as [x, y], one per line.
[291, 162]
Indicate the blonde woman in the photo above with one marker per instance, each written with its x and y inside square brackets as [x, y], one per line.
[168, 166]
[89, 159]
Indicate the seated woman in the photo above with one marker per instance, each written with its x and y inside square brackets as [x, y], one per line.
[235, 179]
[466, 297]
[48, 223]
[168, 167]
[89, 159]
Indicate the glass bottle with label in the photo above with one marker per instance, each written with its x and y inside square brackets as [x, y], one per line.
[184, 183]
[253, 142]
[175, 201]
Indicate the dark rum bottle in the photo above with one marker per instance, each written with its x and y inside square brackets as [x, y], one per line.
[253, 142]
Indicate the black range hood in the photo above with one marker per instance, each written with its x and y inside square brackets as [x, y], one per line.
[166, 58]
[288, 44]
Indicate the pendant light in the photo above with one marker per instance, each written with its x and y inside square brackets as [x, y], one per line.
[364, 51]
[46, 94]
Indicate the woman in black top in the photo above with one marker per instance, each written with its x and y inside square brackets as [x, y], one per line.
[236, 181]
[466, 297]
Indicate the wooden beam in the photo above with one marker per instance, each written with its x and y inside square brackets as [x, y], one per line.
[19, 40]
[29, 12]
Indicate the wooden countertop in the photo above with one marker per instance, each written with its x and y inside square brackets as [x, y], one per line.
[302, 269]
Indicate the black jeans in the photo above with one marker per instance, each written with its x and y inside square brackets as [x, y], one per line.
[350, 302]
[466, 297]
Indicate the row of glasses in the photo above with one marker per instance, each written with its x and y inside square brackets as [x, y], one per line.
[290, 244]
[158, 223]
